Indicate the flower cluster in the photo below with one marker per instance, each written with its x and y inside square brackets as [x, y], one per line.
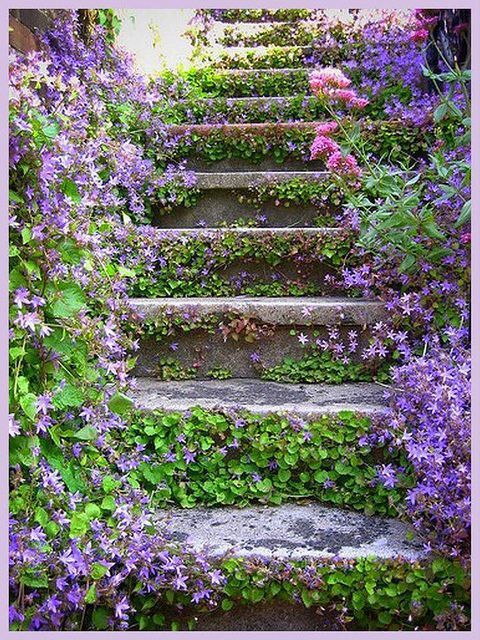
[326, 148]
[333, 84]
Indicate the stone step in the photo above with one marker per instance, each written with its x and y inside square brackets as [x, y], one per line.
[224, 200]
[252, 337]
[245, 180]
[255, 232]
[275, 311]
[241, 261]
[292, 532]
[223, 206]
[259, 396]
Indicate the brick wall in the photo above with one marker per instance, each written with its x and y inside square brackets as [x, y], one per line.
[27, 24]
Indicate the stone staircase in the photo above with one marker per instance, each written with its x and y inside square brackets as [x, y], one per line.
[289, 531]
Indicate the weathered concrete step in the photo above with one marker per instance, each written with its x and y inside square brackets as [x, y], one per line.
[259, 396]
[256, 232]
[224, 206]
[292, 531]
[267, 164]
[276, 311]
[244, 180]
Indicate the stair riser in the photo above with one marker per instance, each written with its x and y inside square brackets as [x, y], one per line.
[267, 164]
[246, 276]
[218, 207]
[205, 351]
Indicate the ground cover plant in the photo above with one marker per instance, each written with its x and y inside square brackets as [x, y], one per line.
[91, 161]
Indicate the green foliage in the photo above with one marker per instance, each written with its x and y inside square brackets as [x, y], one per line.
[219, 373]
[323, 460]
[389, 138]
[321, 367]
[226, 263]
[171, 369]
[204, 82]
[365, 594]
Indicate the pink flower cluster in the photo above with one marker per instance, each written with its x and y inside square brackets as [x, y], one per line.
[425, 19]
[334, 84]
[325, 148]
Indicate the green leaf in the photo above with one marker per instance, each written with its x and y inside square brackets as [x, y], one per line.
[28, 402]
[108, 503]
[91, 594]
[51, 129]
[93, 511]
[14, 197]
[55, 458]
[385, 617]
[407, 263]
[120, 404]
[321, 476]
[98, 571]
[33, 579]
[69, 396]
[100, 618]
[70, 299]
[440, 112]
[86, 433]
[79, 525]
[26, 235]
[465, 214]
[227, 605]
[70, 189]
[109, 484]
[41, 516]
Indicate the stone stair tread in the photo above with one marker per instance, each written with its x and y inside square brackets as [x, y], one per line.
[303, 311]
[250, 100]
[259, 396]
[249, 231]
[292, 531]
[245, 179]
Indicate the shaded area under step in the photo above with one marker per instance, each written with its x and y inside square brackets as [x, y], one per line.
[259, 396]
[273, 615]
[292, 531]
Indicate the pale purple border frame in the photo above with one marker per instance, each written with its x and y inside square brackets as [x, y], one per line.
[333, 4]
